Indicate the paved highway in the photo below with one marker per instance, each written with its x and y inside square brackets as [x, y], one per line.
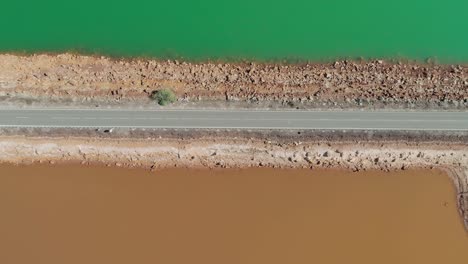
[293, 119]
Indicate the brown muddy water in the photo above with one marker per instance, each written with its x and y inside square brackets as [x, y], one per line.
[72, 214]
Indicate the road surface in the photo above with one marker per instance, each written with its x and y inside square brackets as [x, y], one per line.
[293, 119]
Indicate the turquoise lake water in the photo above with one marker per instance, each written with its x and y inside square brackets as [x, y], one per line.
[254, 29]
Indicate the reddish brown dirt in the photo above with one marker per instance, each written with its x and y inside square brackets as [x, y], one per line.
[341, 82]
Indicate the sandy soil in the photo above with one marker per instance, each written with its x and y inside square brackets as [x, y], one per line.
[68, 78]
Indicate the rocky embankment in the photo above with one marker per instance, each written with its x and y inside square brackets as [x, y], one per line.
[74, 78]
[219, 152]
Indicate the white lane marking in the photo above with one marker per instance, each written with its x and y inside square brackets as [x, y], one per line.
[245, 110]
[262, 119]
[262, 128]
[301, 119]
[65, 117]
[265, 119]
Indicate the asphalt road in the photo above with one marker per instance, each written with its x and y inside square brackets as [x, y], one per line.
[293, 119]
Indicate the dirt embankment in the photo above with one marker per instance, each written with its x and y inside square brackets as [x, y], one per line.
[341, 84]
[86, 80]
[241, 152]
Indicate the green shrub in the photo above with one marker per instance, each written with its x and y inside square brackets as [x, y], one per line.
[164, 96]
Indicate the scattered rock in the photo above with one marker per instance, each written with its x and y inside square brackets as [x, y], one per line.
[342, 83]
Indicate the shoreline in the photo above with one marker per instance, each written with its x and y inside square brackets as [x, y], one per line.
[459, 178]
[243, 153]
[71, 79]
[233, 59]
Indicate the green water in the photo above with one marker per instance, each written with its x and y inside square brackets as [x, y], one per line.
[260, 29]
